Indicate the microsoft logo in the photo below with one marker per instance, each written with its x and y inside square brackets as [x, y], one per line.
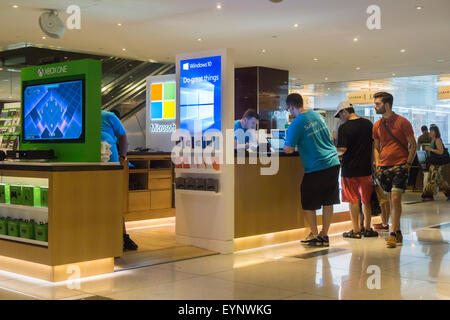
[186, 66]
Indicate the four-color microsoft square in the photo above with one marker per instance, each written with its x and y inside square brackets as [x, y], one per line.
[162, 104]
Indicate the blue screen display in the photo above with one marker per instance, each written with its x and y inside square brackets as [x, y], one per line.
[200, 94]
[53, 111]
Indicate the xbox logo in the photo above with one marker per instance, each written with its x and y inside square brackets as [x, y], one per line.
[40, 72]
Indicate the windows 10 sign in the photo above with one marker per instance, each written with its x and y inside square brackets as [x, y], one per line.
[200, 94]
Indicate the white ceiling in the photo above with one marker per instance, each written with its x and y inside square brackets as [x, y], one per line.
[159, 29]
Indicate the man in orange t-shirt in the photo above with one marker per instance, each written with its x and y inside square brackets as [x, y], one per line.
[392, 134]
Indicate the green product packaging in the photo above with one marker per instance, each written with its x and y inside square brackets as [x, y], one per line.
[3, 226]
[41, 231]
[16, 194]
[13, 228]
[2, 193]
[44, 196]
[37, 196]
[7, 194]
[28, 195]
[26, 229]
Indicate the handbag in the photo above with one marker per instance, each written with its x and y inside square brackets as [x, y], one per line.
[439, 159]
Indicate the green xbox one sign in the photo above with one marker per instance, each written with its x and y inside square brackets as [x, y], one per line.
[90, 72]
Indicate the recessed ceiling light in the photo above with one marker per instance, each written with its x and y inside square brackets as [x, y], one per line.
[358, 68]
[326, 78]
[393, 74]
[15, 6]
[199, 39]
[123, 49]
[263, 50]
[218, 6]
[355, 39]
[315, 59]
[119, 24]
[328, 88]
[440, 60]
[419, 7]
[403, 50]
[43, 38]
[296, 25]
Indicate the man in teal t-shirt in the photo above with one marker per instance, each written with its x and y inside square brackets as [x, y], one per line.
[320, 184]
[113, 132]
[248, 122]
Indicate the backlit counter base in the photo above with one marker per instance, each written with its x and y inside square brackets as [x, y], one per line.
[84, 220]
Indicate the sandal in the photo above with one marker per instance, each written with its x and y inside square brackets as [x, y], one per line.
[352, 234]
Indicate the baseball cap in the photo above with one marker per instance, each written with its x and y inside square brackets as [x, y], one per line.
[341, 106]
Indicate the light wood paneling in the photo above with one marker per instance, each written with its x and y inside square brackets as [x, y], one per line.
[159, 183]
[86, 216]
[138, 201]
[150, 214]
[160, 199]
[160, 173]
[268, 203]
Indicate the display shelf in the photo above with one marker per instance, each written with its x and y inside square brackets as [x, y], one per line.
[26, 208]
[24, 240]
[198, 192]
[197, 170]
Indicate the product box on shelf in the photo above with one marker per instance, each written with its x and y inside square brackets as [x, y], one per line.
[26, 229]
[3, 226]
[37, 196]
[13, 227]
[15, 194]
[4, 193]
[44, 197]
[41, 231]
[28, 195]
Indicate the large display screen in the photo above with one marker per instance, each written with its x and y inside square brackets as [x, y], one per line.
[200, 94]
[54, 112]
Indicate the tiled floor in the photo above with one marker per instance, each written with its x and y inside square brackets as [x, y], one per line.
[363, 269]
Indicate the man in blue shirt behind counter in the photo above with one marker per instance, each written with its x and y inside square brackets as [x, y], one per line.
[247, 124]
[320, 184]
[113, 132]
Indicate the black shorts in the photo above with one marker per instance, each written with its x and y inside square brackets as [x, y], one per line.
[320, 188]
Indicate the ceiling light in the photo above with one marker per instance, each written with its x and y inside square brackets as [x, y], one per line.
[326, 78]
[15, 6]
[403, 50]
[358, 68]
[119, 24]
[123, 49]
[419, 7]
[355, 39]
[43, 38]
[199, 39]
[440, 60]
[328, 88]
[393, 74]
[263, 50]
[315, 59]
[218, 6]
[296, 25]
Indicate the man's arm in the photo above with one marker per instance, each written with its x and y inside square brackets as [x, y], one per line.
[288, 149]
[412, 149]
[376, 150]
[123, 145]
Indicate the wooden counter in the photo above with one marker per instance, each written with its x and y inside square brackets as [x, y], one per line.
[268, 208]
[84, 220]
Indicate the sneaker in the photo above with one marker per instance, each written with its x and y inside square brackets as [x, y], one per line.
[352, 234]
[392, 241]
[380, 226]
[308, 238]
[399, 238]
[317, 241]
[325, 241]
[369, 233]
[128, 244]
